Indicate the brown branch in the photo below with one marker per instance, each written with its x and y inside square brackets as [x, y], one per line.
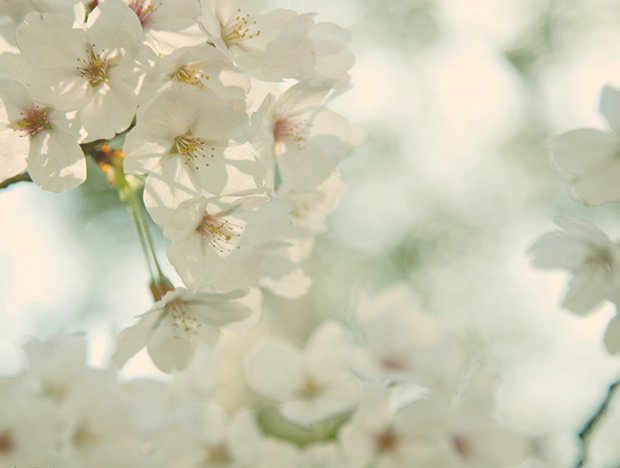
[23, 177]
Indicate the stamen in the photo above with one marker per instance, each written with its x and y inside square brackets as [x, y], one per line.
[181, 320]
[291, 130]
[187, 74]
[33, 121]
[144, 9]
[239, 27]
[219, 232]
[193, 150]
[94, 68]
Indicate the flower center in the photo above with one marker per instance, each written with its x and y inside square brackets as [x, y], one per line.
[33, 121]
[290, 131]
[600, 257]
[395, 363]
[219, 232]
[181, 319]
[187, 74]
[94, 68]
[144, 9]
[193, 150]
[218, 455]
[7, 442]
[311, 388]
[83, 436]
[238, 28]
[387, 440]
[462, 445]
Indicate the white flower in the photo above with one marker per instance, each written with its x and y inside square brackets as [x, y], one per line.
[97, 71]
[304, 138]
[203, 66]
[383, 437]
[593, 156]
[38, 138]
[168, 24]
[172, 327]
[270, 46]
[203, 231]
[181, 136]
[589, 254]
[29, 428]
[217, 440]
[313, 384]
[56, 366]
[333, 57]
[402, 344]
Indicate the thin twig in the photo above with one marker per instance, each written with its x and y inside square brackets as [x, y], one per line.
[594, 421]
[23, 177]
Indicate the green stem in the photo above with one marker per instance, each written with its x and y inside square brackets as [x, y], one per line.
[128, 195]
[147, 233]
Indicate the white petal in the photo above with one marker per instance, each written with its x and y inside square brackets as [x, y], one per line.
[185, 219]
[133, 339]
[15, 149]
[275, 369]
[56, 161]
[144, 150]
[601, 186]
[612, 335]
[113, 25]
[61, 86]
[164, 191]
[189, 259]
[303, 168]
[169, 352]
[588, 288]
[580, 151]
[609, 106]
[49, 40]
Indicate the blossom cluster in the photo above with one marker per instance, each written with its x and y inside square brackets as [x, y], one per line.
[221, 111]
[217, 113]
[581, 247]
[395, 393]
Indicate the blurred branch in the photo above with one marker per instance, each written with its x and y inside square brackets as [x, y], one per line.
[23, 177]
[586, 432]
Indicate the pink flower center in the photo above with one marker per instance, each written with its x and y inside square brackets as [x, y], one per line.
[144, 10]
[462, 445]
[220, 233]
[33, 121]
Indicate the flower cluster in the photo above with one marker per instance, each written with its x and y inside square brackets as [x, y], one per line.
[377, 400]
[213, 117]
[237, 166]
[581, 247]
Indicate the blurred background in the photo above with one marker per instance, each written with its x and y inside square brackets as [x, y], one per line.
[458, 99]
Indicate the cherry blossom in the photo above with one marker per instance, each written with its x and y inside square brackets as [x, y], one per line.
[38, 138]
[588, 253]
[98, 70]
[171, 329]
